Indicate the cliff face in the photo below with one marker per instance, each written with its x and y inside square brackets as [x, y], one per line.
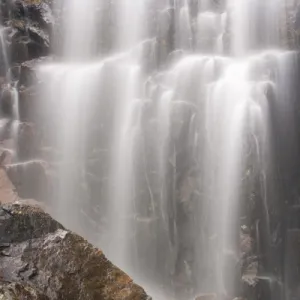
[26, 39]
[65, 265]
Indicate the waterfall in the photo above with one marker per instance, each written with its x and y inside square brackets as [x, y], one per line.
[10, 100]
[168, 119]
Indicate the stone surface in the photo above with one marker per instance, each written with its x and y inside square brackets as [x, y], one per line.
[41, 259]
[30, 179]
[17, 291]
[31, 25]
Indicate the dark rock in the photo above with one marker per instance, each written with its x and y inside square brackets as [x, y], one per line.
[31, 107]
[31, 26]
[7, 102]
[17, 9]
[297, 20]
[39, 42]
[38, 35]
[36, 50]
[246, 244]
[250, 273]
[28, 142]
[292, 263]
[30, 44]
[41, 13]
[30, 179]
[19, 52]
[22, 223]
[28, 71]
[55, 262]
[28, 107]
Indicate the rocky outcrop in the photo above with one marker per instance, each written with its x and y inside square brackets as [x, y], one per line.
[40, 259]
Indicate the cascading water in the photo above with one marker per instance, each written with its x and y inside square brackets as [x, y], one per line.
[72, 81]
[166, 138]
[10, 99]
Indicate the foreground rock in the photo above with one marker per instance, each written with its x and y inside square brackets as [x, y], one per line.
[16, 291]
[39, 259]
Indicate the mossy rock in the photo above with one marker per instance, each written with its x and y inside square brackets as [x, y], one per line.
[19, 24]
[32, 2]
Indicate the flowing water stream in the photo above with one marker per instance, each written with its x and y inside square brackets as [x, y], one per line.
[9, 94]
[169, 121]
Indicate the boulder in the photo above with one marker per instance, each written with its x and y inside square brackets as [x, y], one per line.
[39, 256]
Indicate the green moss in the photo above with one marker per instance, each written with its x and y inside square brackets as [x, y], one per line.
[19, 24]
[33, 2]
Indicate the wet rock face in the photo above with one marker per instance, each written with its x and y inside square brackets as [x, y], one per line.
[6, 103]
[23, 223]
[32, 23]
[41, 260]
[26, 28]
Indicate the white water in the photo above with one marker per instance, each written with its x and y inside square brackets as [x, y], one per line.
[139, 99]
[10, 94]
